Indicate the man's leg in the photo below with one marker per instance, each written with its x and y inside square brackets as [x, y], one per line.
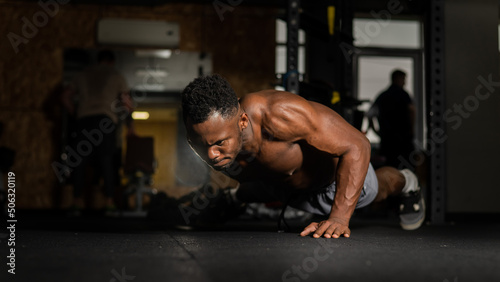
[390, 182]
[393, 182]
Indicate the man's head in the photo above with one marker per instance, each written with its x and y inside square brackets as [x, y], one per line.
[398, 78]
[106, 57]
[214, 120]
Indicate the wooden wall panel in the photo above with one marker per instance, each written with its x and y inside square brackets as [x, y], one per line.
[242, 46]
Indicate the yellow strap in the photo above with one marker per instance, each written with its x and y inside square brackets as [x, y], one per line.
[331, 19]
[335, 97]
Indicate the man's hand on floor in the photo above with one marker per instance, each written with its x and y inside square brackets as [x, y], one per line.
[330, 228]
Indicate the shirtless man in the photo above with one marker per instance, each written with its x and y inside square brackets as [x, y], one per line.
[302, 150]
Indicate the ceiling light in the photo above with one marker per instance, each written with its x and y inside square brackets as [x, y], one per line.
[140, 115]
[164, 53]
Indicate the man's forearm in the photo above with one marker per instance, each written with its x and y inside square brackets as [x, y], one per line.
[351, 173]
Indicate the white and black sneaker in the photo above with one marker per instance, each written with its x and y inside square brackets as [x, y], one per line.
[412, 211]
[412, 207]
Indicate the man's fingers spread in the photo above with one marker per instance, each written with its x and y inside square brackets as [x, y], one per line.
[341, 231]
[307, 231]
[347, 233]
[329, 231]
[310, 228]
[321, 230]
[336, 231]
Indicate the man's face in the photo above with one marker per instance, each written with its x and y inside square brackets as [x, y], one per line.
[401, 81]
[217, 140]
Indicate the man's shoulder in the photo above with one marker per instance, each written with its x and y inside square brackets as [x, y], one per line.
[261, 95]
[271, 102]
[257, 100]
[273, 108]
[270, 97]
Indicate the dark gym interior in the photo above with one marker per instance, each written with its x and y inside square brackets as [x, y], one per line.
[338, 53]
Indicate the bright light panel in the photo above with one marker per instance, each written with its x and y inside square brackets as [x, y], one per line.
[140, 115]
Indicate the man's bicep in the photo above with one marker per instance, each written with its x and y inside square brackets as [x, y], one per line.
[333, 134]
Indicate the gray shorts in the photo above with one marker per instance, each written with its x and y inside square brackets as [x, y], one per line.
[320, 202]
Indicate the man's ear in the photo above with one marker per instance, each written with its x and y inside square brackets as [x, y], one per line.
[243, 122]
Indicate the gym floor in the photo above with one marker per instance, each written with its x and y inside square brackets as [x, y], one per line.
[50, 247]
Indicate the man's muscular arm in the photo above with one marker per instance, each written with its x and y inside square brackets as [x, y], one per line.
[295, 119]
[351, 174]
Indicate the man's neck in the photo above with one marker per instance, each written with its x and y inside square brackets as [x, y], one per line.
[251, 142]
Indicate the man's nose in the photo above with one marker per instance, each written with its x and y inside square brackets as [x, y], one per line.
[213, 153]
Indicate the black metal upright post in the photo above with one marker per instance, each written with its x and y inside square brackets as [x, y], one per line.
[292, 46]
[343, 60]
[345, 21]
[436, 106]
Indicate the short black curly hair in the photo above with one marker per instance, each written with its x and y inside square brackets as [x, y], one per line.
[206, 95]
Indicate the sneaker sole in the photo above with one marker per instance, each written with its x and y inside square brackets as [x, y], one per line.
[416, 225]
